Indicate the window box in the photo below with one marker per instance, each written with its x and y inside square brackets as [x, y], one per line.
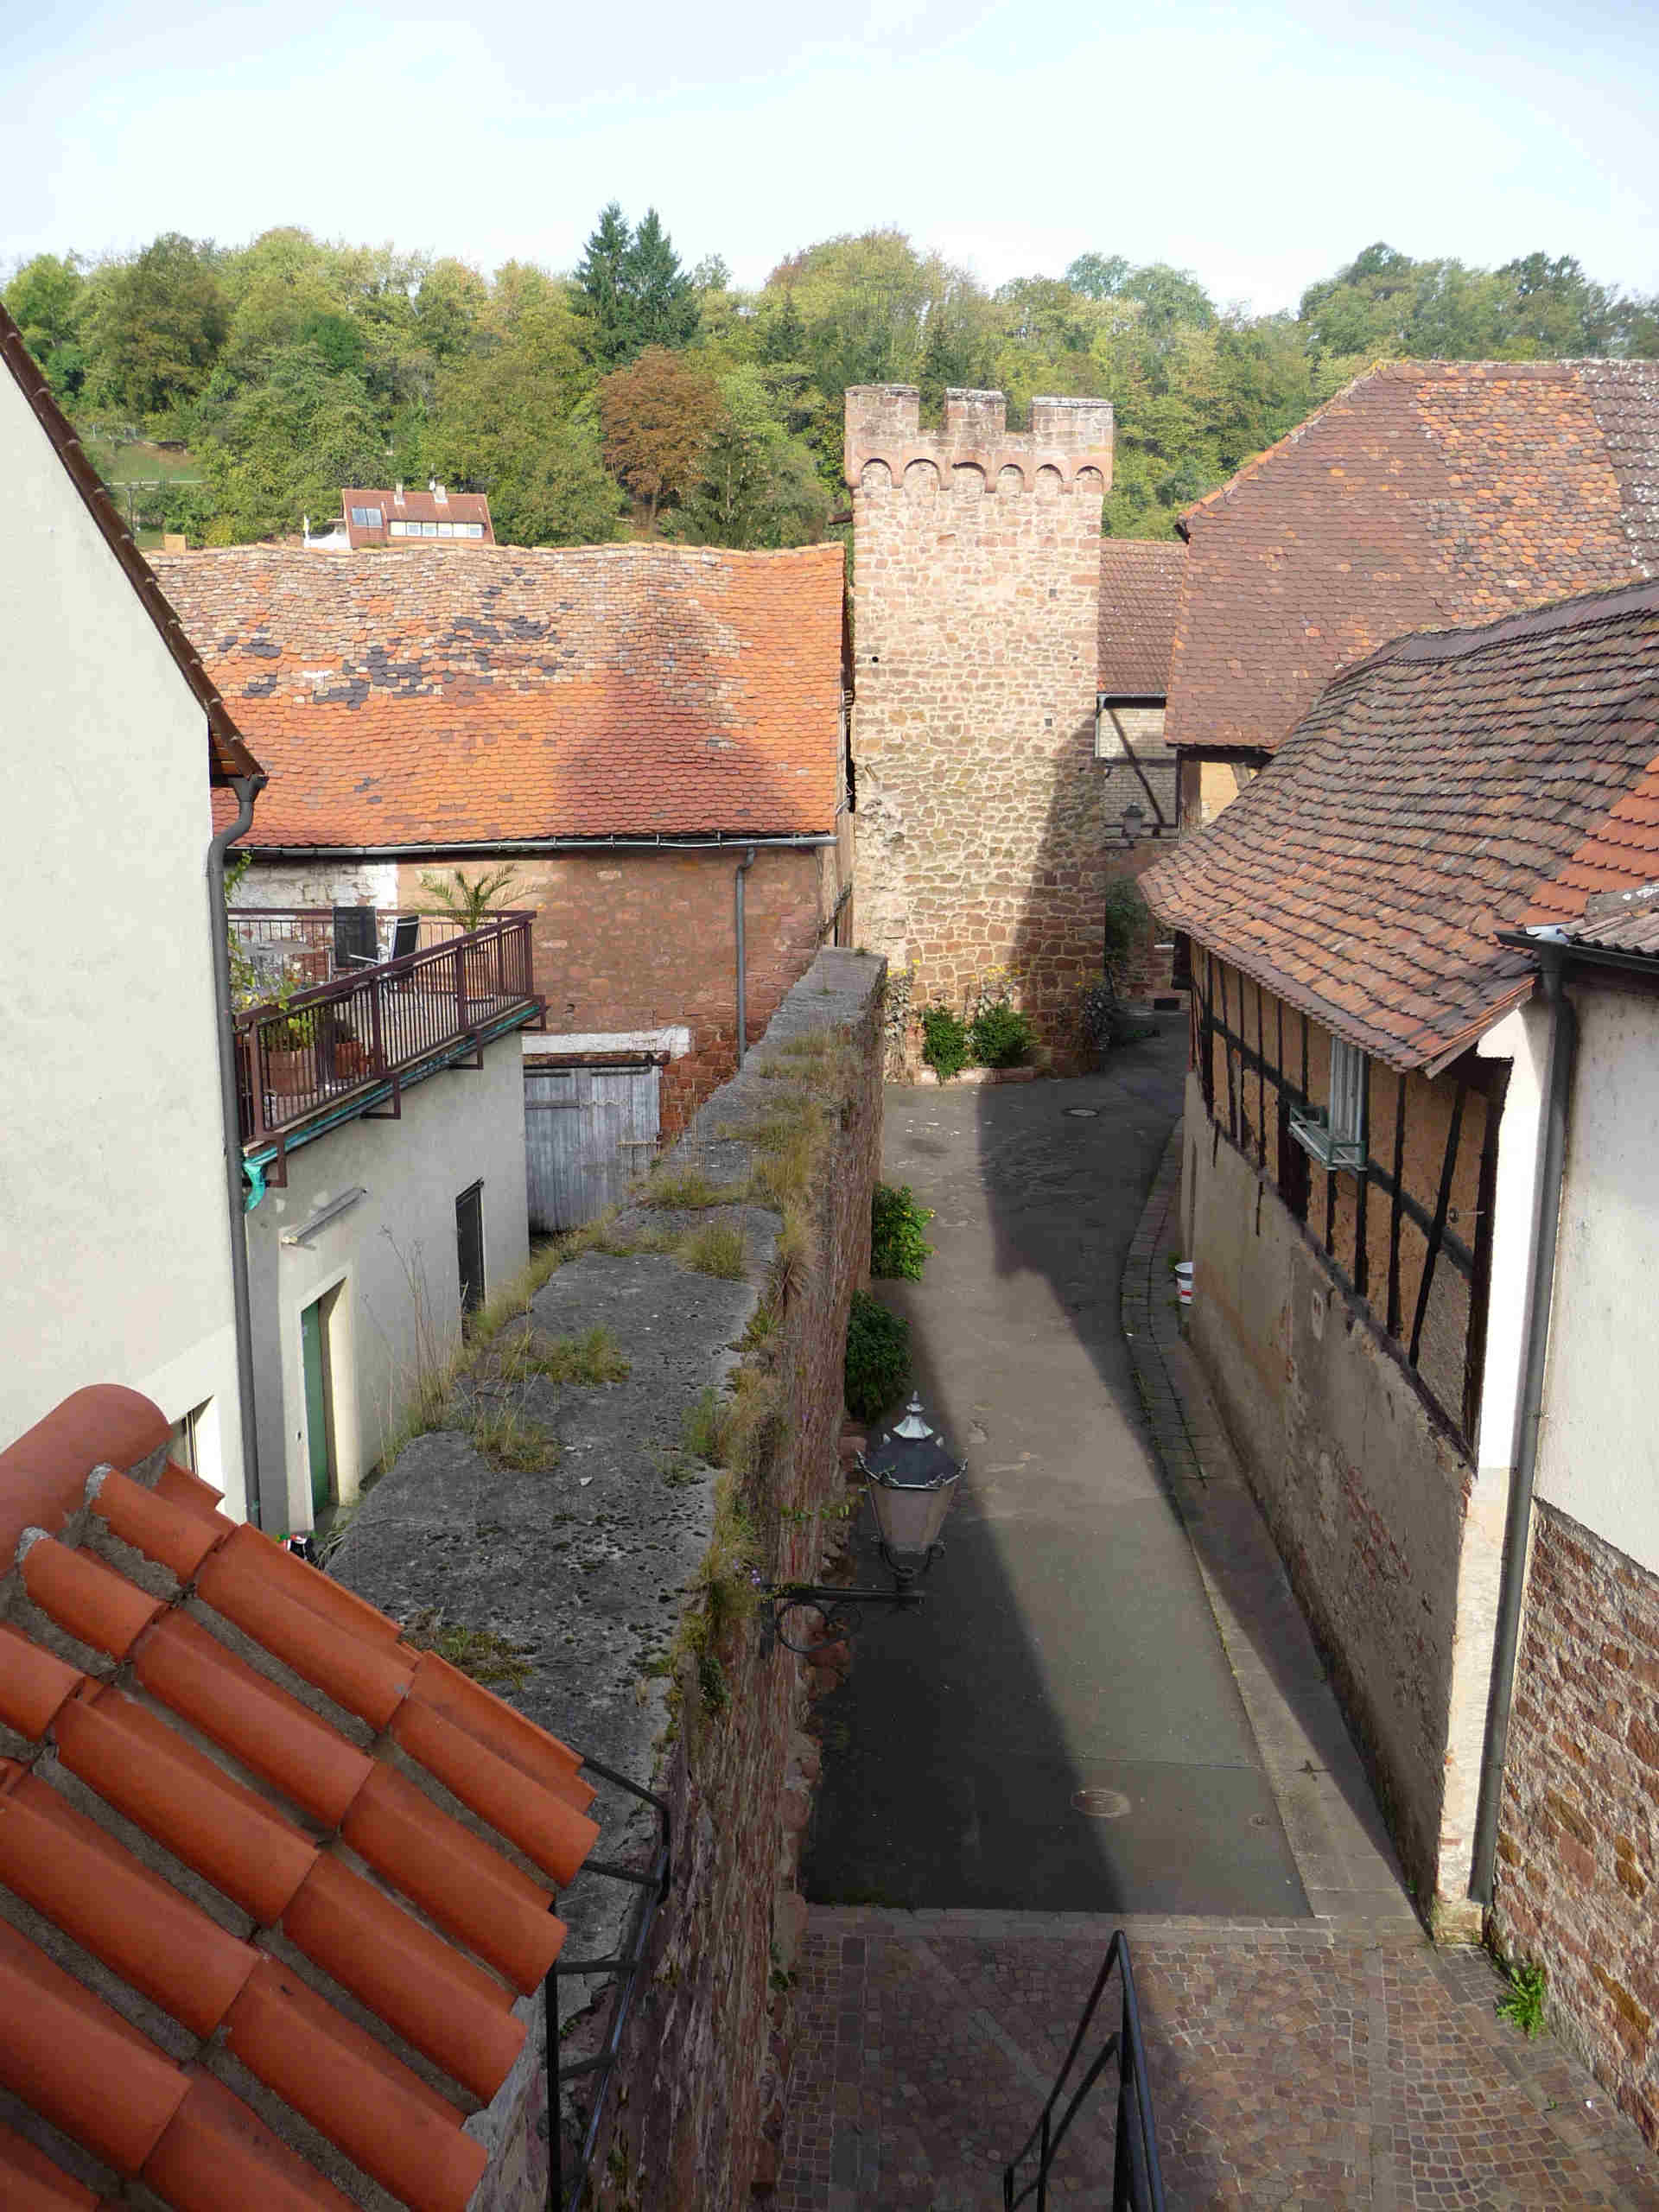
[1313, 1132]
[1338, 1137]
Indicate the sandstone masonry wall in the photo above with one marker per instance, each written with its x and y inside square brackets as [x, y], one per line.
[586, 1564]
[1577, 1839]
[982, 839]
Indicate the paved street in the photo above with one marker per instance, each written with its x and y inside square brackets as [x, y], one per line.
[1110, 1616]
[1058, 1729]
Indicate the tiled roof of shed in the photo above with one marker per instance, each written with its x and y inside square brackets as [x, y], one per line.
[1445, 789]
[275, 1886]
[467, 696]
[227, 755]
[1139, 599]
[1423, 494]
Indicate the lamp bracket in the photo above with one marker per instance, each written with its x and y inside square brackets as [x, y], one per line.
[838, 1608]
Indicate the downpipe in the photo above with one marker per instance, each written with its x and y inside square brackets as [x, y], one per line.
[247, 789]
[743, 867]
[1563, 1046]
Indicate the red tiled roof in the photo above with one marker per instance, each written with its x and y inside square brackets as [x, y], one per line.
[1424, 494]
[454, 697]
[251, 1843]
[1139, 599]
[1430, 796]
[1606, 884]
[227, 755]
[414, 506]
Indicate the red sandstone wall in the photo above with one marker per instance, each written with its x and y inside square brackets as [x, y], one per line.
[628, 941]
[1578, 1835]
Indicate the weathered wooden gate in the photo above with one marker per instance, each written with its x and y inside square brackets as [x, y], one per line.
[588, 1132]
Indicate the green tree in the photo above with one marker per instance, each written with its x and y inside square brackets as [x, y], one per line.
[755, 486]
[283, 446]
[1097, 275]
[46, 298]
[633, 290]
[156, 325]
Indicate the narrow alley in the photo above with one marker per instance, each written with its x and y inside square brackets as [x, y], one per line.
[1109, 1712]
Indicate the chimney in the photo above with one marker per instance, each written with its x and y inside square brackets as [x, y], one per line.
[439, 493]
[397, 495]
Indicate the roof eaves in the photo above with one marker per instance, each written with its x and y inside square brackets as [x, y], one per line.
[228, 755]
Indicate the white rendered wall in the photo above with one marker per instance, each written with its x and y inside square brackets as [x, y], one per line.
[458, 1127]
[1599, 1449]
[115, 1238]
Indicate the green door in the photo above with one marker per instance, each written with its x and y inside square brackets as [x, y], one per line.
[319, 1429]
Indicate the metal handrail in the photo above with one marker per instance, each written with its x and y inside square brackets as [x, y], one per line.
[622, 1965]
[1137, 2179]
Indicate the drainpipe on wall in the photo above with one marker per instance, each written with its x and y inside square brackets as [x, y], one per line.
[1563, 1041]
[743, 867]
[247, 789]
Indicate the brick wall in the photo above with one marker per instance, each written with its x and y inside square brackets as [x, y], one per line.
[631, 941]
[698, 2113]
[1578, 1835]
[982, 841]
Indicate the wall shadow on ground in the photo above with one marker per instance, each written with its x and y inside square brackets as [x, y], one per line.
[1065, 1647]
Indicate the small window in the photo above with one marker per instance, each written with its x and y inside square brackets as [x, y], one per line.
[400, 530]
[368, 518]
[471, 528]
[469, 1246]
[1337, 1138]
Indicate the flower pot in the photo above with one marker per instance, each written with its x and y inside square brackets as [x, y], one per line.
[289, 1072]
[351, 1059]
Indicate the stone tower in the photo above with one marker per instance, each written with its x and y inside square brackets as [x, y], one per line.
[976, 594]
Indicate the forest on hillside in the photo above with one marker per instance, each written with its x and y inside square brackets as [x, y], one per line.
[635, 395]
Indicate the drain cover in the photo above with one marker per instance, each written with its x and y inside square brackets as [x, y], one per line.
[1101, 1804]
[1084, 1113]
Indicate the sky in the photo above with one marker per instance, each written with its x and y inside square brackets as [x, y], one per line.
[1258, 145]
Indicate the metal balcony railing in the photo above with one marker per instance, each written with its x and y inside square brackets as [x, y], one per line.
[308, 1054]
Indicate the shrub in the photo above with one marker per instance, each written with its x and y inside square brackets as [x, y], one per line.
[1126, 918]
[878, 1357]
[945, 1042]
[1001, 1035]
[897, 1245]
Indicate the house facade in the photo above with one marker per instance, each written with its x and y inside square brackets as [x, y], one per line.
[1424, 493]
[115, 1205]
[652, 737]
[382, 1128]
[402, 516]
[1366, 1116]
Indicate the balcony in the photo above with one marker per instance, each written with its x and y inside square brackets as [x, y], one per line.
[303, 946]
[348, 1045]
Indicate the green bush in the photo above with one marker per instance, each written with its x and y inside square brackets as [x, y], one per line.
[945, 1042]
[1126, 916]
[1000, 1036]
[878, 1357]
[897, 1245]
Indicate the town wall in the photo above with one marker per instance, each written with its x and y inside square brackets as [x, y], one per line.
[597, 1568]
[982, 839]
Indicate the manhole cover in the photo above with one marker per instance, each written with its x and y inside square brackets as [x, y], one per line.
[1101, 1804]
[1083, 1113]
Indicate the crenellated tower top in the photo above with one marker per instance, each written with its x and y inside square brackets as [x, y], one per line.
[1067, 449]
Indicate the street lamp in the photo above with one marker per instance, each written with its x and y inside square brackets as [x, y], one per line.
[1134, 820]
[912, 1486]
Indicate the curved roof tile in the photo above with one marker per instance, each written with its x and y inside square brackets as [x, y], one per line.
[355, 1868]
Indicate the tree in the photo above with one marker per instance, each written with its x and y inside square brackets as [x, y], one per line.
[657, 417]
[1097, 275]
[46, 299]
[282, 447]
[755, 485]
[636, 293]
[156, 325]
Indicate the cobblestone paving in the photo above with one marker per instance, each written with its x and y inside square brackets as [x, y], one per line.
[1293, 2064]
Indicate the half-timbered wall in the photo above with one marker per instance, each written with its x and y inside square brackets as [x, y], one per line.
[1403, 1240]
[1342, 1319]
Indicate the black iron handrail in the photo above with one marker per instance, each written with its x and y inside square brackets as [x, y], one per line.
[622, 1967]
[1137, 2179]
